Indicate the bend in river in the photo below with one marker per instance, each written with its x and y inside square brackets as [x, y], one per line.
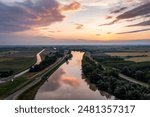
[67, 83]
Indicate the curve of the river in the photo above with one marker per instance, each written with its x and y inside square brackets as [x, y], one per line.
[67, 83]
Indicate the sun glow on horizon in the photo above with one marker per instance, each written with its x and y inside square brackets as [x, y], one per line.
[94, 21]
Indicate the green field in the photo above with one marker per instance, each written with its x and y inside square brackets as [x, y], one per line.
[8, 87]
[2, 59]
[16, 64]
[15, 60]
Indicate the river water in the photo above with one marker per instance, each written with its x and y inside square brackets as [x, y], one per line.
[67, 83]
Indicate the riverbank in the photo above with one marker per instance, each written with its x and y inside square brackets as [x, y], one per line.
[109, 80]
[31, 92]
[66, 83]
[11, 84]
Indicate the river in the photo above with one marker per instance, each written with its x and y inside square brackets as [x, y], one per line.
[38, 57]
[67, 83]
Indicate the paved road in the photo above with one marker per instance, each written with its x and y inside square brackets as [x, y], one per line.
[36, 80]
[122, 75]
[23, 72]
[133, 80]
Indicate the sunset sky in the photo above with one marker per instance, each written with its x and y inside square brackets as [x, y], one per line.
[38, 22]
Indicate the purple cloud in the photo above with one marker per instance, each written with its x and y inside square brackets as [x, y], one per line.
[145, 23]
[140, 11]
[119, 10]
[20, 16]
[134, 31]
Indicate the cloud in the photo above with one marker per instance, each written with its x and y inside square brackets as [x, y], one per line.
[109, 17]
[53, 31]
[21, 16]
[146, 23]
[98, 34]
[119, 10]
[139, 11]
[109, 32]
[73, 6]
[134, 31]
[79, 26]
[110, 23]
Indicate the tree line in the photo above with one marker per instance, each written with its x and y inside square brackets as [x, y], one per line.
[48, 60]
[139, 71]
[109, 81]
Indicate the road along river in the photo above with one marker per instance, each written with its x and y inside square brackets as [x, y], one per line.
[38, 60]
[67, 82]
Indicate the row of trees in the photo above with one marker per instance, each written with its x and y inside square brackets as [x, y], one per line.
[48, 60]
[139, 74]
[108, 80]
[139, 71]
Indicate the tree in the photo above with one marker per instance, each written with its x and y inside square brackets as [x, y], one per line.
[147, 77]
[139, 75]
[125, 70]
[120, 92]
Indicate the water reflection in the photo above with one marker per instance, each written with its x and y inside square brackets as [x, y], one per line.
[67, 83]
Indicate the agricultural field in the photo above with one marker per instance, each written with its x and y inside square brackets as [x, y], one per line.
[124, 54]
[132, 56]
[15, 60]
[139, 59]
[16, 64]
[135, 64]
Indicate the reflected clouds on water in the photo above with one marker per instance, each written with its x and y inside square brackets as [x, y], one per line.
[57, 80]
[67, 83]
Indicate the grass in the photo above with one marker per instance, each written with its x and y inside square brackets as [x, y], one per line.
[2, 59]
[30, 93]
[142, 56]
[6, 88]
[16, 64]
[138, 59]
[124, 54]
[9, 87]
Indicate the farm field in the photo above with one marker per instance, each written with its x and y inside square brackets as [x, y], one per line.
[139, 59]
[132, 56]
[16, 60]
[124, 54]
[16, 64]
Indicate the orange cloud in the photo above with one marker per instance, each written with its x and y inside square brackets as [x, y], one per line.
[72, 6]
[79, 26]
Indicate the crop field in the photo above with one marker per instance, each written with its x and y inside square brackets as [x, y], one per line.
[16, 61]
[138, 59]
[124, 54]
[18, 54]
[132, 56]
[16, 64]
[2, 59]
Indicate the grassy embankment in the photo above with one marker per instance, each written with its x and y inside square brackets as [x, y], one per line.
[16, 64]
[30, 93]
[10, 87]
